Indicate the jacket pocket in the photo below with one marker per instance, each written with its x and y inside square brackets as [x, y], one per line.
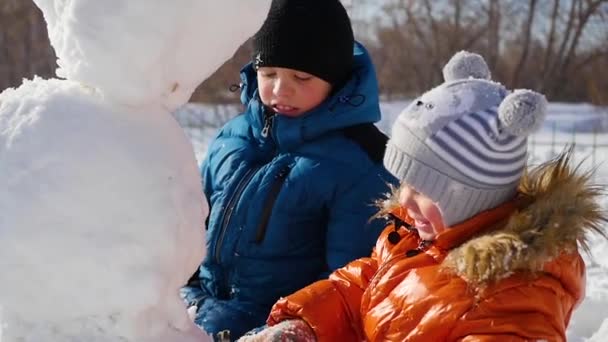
[275, 189]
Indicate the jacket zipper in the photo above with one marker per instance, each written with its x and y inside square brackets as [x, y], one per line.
[268, 120]
[279, 180]
[423, 246]
[230, 209]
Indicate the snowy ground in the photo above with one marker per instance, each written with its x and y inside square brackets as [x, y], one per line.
[583, 124]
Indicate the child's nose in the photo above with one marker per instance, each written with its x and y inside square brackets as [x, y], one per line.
[282, 87]
[406, 197]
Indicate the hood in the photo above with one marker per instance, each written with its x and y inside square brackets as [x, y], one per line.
[354, 103]
[559, 208]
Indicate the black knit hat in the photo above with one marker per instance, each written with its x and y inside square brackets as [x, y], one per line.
[314, 36]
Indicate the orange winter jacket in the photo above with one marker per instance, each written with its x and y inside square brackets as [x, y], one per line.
[512, 273]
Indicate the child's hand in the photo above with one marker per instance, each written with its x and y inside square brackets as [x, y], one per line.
[295, 330]
[192, 312]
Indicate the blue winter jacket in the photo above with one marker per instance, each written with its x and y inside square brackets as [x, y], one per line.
[291, 200]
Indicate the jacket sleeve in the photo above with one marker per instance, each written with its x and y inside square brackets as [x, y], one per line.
[351, 233]
[331, 307]
[206, 172]
[207, 182]
[537, 311]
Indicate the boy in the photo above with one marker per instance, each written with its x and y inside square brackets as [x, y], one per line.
[292, 181]
[479, 250]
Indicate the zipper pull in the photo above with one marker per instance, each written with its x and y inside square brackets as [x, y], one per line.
[268, 118]
[282, 173]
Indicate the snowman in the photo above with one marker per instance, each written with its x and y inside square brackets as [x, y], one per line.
[101, 206]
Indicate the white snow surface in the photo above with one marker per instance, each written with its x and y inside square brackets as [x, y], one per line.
[101, 216]
[101, 206]
[147, 51]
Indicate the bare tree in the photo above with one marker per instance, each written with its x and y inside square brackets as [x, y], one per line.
[556, 46]
[553, 19]
[426, 33]
[493, 36]
[526, 34]
[25, 50]
[537, 44]
[580, 14]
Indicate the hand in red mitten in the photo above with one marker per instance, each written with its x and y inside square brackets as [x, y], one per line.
[294, 330]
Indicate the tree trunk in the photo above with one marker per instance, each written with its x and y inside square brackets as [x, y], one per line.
[584, 14]
[25, 49]
[526, 44]
[493, 34]
[550, 45]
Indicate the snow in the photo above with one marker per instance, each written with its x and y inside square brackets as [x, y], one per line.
[141, 51]
[101, 201]
[601, 334]
[590, 320]
[95, 198]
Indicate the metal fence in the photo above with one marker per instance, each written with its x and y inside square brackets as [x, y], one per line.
[590, 147]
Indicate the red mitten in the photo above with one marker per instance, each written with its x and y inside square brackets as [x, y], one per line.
[294, 330]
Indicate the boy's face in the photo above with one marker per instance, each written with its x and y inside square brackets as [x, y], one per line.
[291, 92]
[425, 213]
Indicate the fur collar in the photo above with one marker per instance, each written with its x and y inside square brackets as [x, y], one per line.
[560, 208]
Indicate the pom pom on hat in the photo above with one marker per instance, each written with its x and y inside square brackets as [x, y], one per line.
[522, 112]
[466, 150]
[465, 65]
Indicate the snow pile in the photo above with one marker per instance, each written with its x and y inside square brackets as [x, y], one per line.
[140, 51]
[102, 213]
[602, 334]
[101, 201]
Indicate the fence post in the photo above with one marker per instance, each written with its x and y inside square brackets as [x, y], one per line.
[533, 147]
[574, 134]
[553, 139]
[594, 150]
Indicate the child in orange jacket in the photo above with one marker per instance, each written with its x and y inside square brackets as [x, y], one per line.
[480, 249]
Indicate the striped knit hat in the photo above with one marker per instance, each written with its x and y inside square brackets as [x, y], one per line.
[464, 143]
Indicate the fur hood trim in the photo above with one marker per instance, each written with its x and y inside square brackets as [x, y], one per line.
[559, 208]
